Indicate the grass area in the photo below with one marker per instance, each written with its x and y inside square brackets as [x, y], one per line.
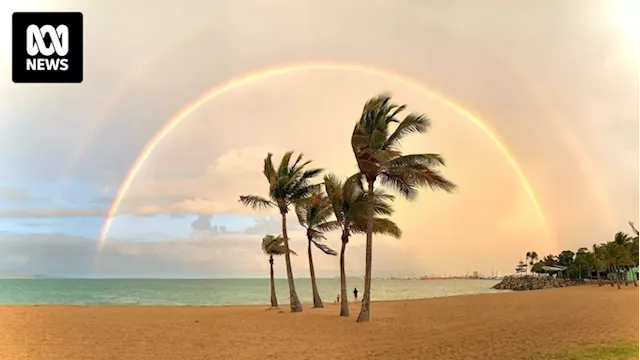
[617, 351]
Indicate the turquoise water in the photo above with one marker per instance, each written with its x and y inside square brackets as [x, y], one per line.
[215, 291]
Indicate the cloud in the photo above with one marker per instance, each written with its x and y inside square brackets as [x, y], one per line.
[216, 191]
[202, 228]
[14, 194]
[52, 213]
[223, 256]
[272, 225]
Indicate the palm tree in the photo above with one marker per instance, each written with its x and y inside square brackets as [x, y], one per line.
[378, 156]
[594, 259]
[273, 246]
[313, 214]
[581, 260]
[288, 184]
[625, 243]
[349, 203]
[614, 255]
[633, 252]
[533, 256]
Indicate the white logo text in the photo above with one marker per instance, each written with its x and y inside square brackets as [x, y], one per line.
[36, 45]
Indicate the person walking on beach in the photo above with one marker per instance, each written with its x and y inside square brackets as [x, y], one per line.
[355, 293]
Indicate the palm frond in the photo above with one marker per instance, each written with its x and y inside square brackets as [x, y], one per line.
[274, 246]
[255, 202]
[406, 179]
[418, 160]
[412, 123]
[269, 171]
[283, 169]
[381, 226]
[325, 249]
[329, 226]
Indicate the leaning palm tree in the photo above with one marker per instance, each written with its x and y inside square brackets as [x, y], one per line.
[349, 202]
[376, 149]
[273, 246]
[288, 184]
[313, 214]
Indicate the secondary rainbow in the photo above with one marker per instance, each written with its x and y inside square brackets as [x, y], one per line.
[240, 81]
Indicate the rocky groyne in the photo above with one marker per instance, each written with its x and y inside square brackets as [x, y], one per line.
[521, 283]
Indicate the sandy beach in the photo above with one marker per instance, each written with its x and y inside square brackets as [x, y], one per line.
[520, 325]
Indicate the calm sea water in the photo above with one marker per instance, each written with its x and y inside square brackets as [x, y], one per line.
[215, 291]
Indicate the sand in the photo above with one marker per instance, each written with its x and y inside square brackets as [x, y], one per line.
[521, 325]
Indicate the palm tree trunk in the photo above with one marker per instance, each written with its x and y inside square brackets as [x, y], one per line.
[317, 302]
[624, 273]
[617, 269]
[274, 298]
[293, 296]
[366, 298]
[598, 277]
[580, 272]
[344, 303]
[633, 275]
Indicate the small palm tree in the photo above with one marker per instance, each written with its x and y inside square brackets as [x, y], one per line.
[533, 256]
[288, 184]
[349, 203]
[313, 214]
[273, 246]
[594, 259]
[376, 149]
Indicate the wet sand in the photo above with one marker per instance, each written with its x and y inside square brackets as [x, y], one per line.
[509, 326]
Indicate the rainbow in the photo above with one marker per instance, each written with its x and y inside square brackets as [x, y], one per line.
[240, 81]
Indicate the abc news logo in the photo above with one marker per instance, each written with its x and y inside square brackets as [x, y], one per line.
[47, 47]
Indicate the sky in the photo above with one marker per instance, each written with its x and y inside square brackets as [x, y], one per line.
[554, 82]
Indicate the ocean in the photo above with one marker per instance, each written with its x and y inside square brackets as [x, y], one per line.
[217, 291]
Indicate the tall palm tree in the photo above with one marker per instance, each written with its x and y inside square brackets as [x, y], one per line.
[313, 214]
[288, 184]
[273, 246]
[349, 203]
[376, 149]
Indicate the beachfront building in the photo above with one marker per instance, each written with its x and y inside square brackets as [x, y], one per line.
[554, 270]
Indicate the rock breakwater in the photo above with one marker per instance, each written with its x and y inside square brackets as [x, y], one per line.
[521, 283]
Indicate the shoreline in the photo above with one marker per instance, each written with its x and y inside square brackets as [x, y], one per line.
[478, 326]
[283, 305]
